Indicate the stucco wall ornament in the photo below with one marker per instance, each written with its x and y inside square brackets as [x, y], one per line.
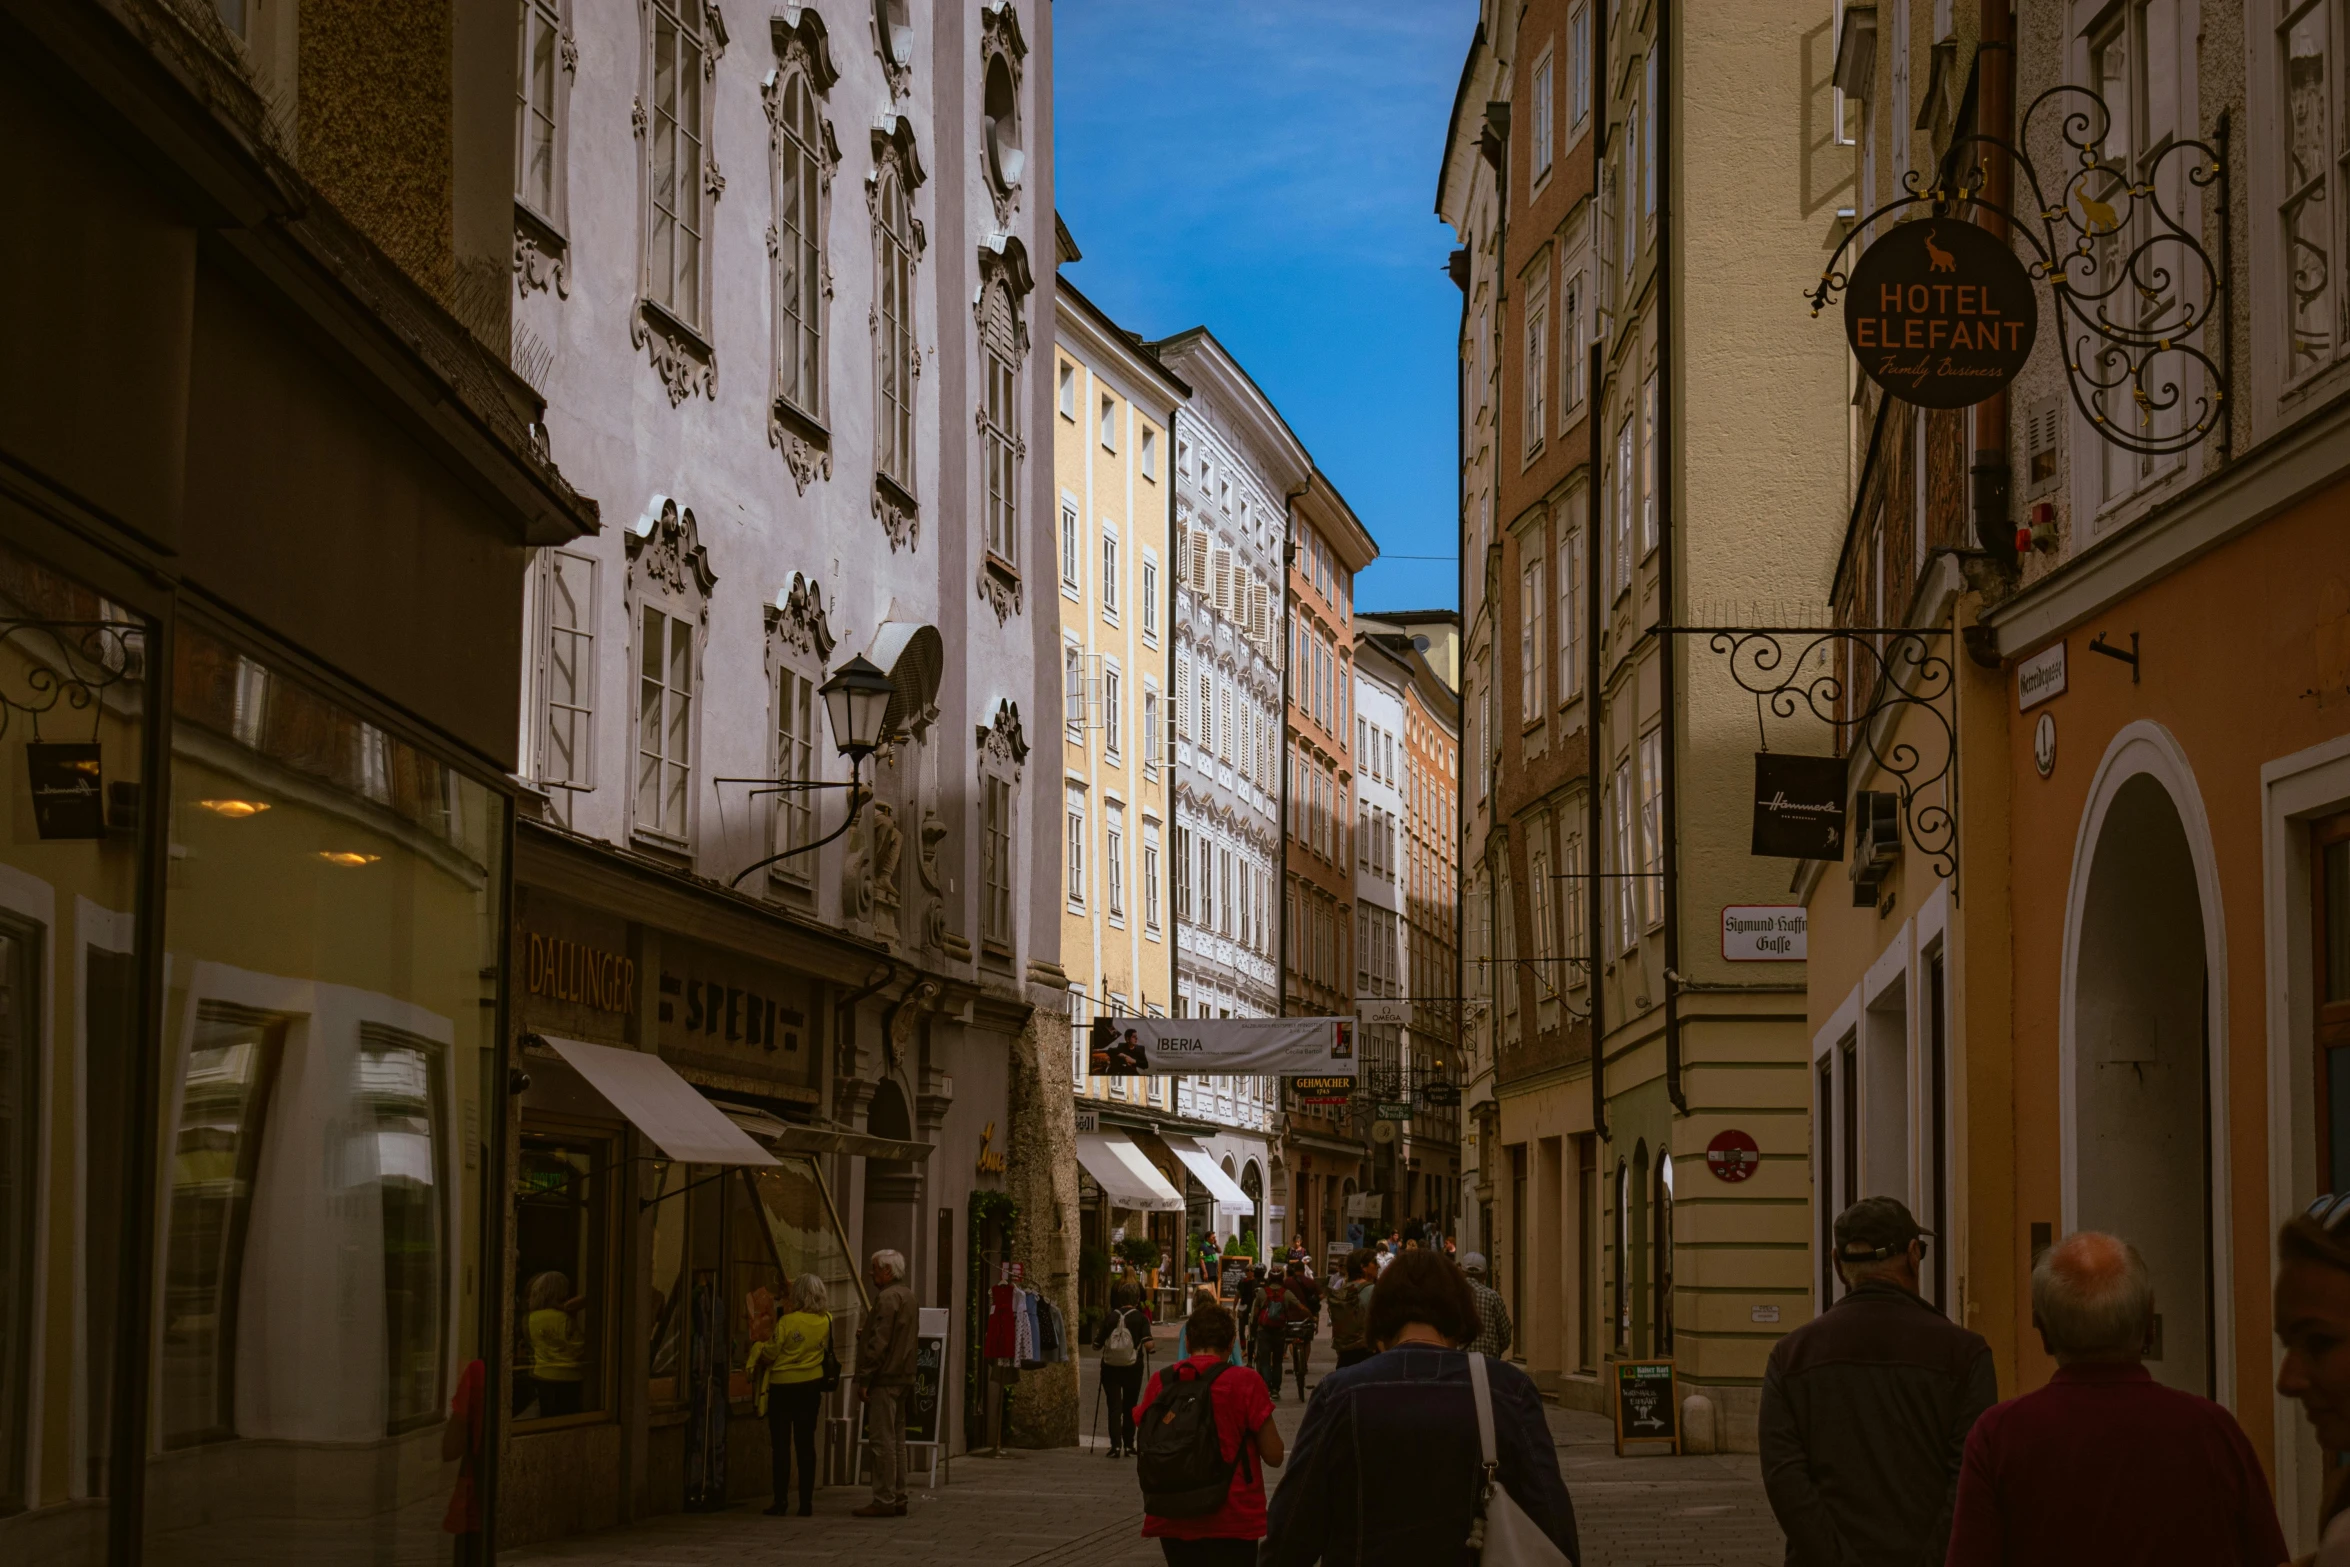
[540, 260]
[665, 547]
[1001, 743]
[797, 619]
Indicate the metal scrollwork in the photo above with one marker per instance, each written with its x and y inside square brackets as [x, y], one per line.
[1897, 669]
[2133, 284]
[65, 664]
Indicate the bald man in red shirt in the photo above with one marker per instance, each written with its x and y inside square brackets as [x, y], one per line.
[2104, 1464]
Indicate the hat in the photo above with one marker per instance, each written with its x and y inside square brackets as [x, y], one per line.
[1874, 1229]
[1472, 1262]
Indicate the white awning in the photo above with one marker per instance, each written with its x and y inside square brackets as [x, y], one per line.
[1222, 1189]
[660, 1104]
[1126, 1173]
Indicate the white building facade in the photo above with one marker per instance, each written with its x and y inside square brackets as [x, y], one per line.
[1236, 464]
[772, 274]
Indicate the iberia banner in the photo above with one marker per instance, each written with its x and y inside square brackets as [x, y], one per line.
[1182, 1046]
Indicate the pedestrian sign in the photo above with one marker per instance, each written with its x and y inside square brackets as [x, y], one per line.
[1647, 1413]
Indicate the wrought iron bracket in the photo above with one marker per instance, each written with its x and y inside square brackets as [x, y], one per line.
[1906, 669]
[67, 664]
[2134, 286]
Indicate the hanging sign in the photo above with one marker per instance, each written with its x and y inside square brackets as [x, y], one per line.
[1276, 1046]
[69, 797]
[1391, 1110]
[1732, 1156]
[1798, 806]
[1382, 1010]
[1940, 313]
[1322, 1090]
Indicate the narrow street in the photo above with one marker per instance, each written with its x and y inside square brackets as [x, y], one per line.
[1073, 1506]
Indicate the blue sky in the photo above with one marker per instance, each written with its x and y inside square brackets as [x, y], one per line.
[1269, 169]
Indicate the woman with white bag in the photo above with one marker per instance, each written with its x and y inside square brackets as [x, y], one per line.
[1423, 1453]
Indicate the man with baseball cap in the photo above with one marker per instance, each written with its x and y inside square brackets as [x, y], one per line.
[1866, 1408]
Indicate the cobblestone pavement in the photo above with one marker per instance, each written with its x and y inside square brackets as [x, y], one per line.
[1078, 1508]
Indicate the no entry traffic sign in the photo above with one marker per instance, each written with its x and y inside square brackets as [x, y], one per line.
[1732, 1156]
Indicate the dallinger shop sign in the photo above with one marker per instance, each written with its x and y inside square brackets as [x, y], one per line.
[1940, 313]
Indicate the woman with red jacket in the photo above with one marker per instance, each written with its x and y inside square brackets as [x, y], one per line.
[1246, 1441]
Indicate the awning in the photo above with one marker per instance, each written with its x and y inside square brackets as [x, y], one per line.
[1126, 1173]
[1222, 1189]
[790, 1137]
[660, 1104]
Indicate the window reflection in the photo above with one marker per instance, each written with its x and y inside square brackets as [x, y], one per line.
[398, 1094]
[560, 1228]
[669, 1308]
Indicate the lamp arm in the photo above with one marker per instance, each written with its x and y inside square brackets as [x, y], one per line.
[856, 804]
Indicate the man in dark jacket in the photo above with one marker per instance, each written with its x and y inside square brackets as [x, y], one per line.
[885, 1377]
[1866, 1408]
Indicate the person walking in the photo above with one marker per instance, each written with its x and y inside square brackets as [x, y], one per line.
[1866, 1408]
[2104, 1464]
[1124, 1343]
[1494, 1328]
[1183, 1349]
[1277, 1306]
[787, 1380]
[2313, 1324]
[885, 1374]
[1305, 1323]
[1388, 1469]
[1202, 1460]
[1350, 1308]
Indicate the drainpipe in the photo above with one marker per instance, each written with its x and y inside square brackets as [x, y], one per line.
[1993, 531]
[1170, 705]
[1667, 605]
[1595, 762]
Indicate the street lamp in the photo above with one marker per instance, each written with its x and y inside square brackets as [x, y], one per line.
[856, 701]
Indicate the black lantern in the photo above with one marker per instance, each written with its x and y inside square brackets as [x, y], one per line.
[856, 700]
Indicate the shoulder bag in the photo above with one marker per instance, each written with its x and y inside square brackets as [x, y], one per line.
[828, 1380]
[1502, 1536]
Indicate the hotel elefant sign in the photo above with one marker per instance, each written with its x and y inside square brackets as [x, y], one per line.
[1940, 314]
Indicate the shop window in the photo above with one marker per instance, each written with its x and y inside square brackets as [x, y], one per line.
[754, 1281]
[224, 1090]
[561, 1286]
[404, 1124]
[665, 1363]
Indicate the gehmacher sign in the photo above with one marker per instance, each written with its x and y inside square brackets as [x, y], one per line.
[1940, 313]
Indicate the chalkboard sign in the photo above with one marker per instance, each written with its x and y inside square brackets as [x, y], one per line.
[1647, 1413]
[930, 1355]
[1235, 1272]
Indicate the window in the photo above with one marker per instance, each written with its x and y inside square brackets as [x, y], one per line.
[1578, 65]
[562, 1284]
[673, 255]
[799, 240]
[893, 340]
[664, 741]
[1112, 718]
[1072, 560]
[1574, 889]
[1076, 850]
[1150, 598]
[999, 434]
[1533, 646]
[1537, 360]
[1545, 932]
[1110, 575]
[1150, 875]
[1652, 828]
[1648, 144]
[1570, 599]
[535, 107]
[1621, 857]
[1574, 352]
[1068, 391]
[1648, 464]
[995, 862]
[1150, 453]
[1620, 544]
[1109, 424]
[1073, 690]
[1183, 873]
[1544, 131]
[567, 674]
[2316, 185]
[795, 761]
[1114, 859]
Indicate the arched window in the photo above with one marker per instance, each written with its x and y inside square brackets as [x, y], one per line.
[1663, 1262]
[673, 250]
[999, 423]
[893, 342]
[799, 239]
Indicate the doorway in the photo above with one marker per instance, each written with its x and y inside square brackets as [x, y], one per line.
[2139, 1046]
[893, 1187]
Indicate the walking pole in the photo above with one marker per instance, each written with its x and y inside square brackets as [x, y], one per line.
[1097, 1408]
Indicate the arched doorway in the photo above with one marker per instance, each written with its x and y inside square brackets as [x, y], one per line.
[1664, 1254]
[893, 1187]
[1252, 1181]
[2138, 1047]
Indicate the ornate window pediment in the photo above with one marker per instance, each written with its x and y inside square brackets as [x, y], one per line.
[1001, 743]
[665, 550]
[796, 620]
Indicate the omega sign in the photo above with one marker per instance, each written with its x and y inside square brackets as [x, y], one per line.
[1940, 314]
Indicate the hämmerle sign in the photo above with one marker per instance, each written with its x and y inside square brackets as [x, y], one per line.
[1182, 1046]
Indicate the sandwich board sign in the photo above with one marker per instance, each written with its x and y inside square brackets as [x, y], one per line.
[1648, 1416]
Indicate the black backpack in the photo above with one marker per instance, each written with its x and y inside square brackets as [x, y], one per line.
[1182, 1467]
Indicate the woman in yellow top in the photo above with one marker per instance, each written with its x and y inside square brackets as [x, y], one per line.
[558, 1344]
[787, 1377]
